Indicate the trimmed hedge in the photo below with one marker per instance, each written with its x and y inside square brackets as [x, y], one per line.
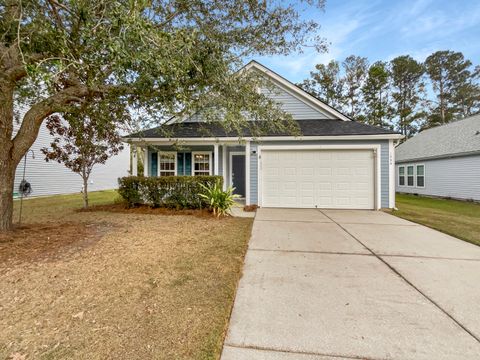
[179, 192]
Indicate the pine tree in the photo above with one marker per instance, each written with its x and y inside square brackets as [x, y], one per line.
[452, 82]
[326, 84]
[376, 95]
[408, 92]
[355, 73]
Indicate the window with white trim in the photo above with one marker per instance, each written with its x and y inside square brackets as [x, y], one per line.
[420, 176]
[410, 175]
[401, 175]
[202, 163]
[167, 163]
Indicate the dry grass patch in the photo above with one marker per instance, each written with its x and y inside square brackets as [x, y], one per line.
[147, 287]
[43, 241]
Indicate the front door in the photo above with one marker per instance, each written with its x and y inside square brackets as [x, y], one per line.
[238, 173]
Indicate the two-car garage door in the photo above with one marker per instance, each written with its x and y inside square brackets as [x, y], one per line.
[343, 179]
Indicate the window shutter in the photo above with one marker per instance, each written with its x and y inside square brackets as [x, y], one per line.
[153, 164]
[188, 163]
[180, 165]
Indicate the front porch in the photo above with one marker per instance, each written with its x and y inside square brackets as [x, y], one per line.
[226, 160]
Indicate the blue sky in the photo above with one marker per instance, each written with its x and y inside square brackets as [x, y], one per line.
[382, 30]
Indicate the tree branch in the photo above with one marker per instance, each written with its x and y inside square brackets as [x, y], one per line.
[34, 117]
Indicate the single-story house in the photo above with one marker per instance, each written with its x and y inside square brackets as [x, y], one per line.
[443, 161]
[335, 162]
[51, 178]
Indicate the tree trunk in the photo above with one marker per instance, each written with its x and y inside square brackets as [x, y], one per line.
[7, 177]
[442, 102]
[7, 162]
[85, 193]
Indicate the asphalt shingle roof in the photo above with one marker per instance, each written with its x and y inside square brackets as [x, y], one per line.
[453, 139]
[315, 127]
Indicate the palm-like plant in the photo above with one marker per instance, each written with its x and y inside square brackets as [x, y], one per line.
[219, 201]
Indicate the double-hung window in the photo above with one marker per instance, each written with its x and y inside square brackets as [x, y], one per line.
[410, 176]
[421, 176]
[167, 164]
[202, 163]
[401, 175]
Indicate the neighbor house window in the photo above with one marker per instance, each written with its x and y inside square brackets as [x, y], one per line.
[202, 163]
[410, 177]
[167, 164]
[420, 175]
[401, 176]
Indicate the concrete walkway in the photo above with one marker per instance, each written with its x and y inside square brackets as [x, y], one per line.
[336, 284]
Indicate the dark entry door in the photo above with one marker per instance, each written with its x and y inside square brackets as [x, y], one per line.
[238, 174]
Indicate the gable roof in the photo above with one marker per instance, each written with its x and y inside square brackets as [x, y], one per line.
[457, 138]
[289, 88]
[296, 91]
[313, 127]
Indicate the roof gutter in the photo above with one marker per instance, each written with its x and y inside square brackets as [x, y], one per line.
[266, 138]
[439, 157]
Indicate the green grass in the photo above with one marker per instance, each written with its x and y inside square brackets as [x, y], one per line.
[457, 218]
[53, 205]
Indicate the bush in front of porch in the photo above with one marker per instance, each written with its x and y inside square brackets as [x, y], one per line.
[178, 192]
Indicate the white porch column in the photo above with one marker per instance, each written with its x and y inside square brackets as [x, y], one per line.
[134, 160]
[215, 159]
[224, 166]
[146, 154]
[247, 173]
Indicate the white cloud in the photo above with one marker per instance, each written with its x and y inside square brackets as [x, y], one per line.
[341, 28]
[383, 30]
[426, 20]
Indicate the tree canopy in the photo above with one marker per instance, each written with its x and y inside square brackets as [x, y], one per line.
[403, 93]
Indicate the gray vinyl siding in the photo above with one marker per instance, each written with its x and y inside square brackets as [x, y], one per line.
[51, 178]
[384, 164]
[457, 177]
[384, 173]
[292, 105]
[299, 109]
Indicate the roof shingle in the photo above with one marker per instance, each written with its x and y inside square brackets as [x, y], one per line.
[453, 139]
[315, 127]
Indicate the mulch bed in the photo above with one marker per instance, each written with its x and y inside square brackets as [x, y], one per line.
[144, 209]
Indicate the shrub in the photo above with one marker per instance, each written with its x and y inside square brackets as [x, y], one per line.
[177, 192]
[219, 201]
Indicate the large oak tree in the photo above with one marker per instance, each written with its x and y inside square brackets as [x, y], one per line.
[156, 58]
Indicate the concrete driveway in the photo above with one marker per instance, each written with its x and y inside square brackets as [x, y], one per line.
[334, 284]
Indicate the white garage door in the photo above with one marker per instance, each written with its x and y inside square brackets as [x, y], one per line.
[337, 179]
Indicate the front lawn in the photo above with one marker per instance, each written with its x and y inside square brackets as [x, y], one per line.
[115, 285]
[457, 218]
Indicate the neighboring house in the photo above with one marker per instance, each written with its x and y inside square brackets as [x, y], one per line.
[335, 163]
[443, 161]
[50, 178]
